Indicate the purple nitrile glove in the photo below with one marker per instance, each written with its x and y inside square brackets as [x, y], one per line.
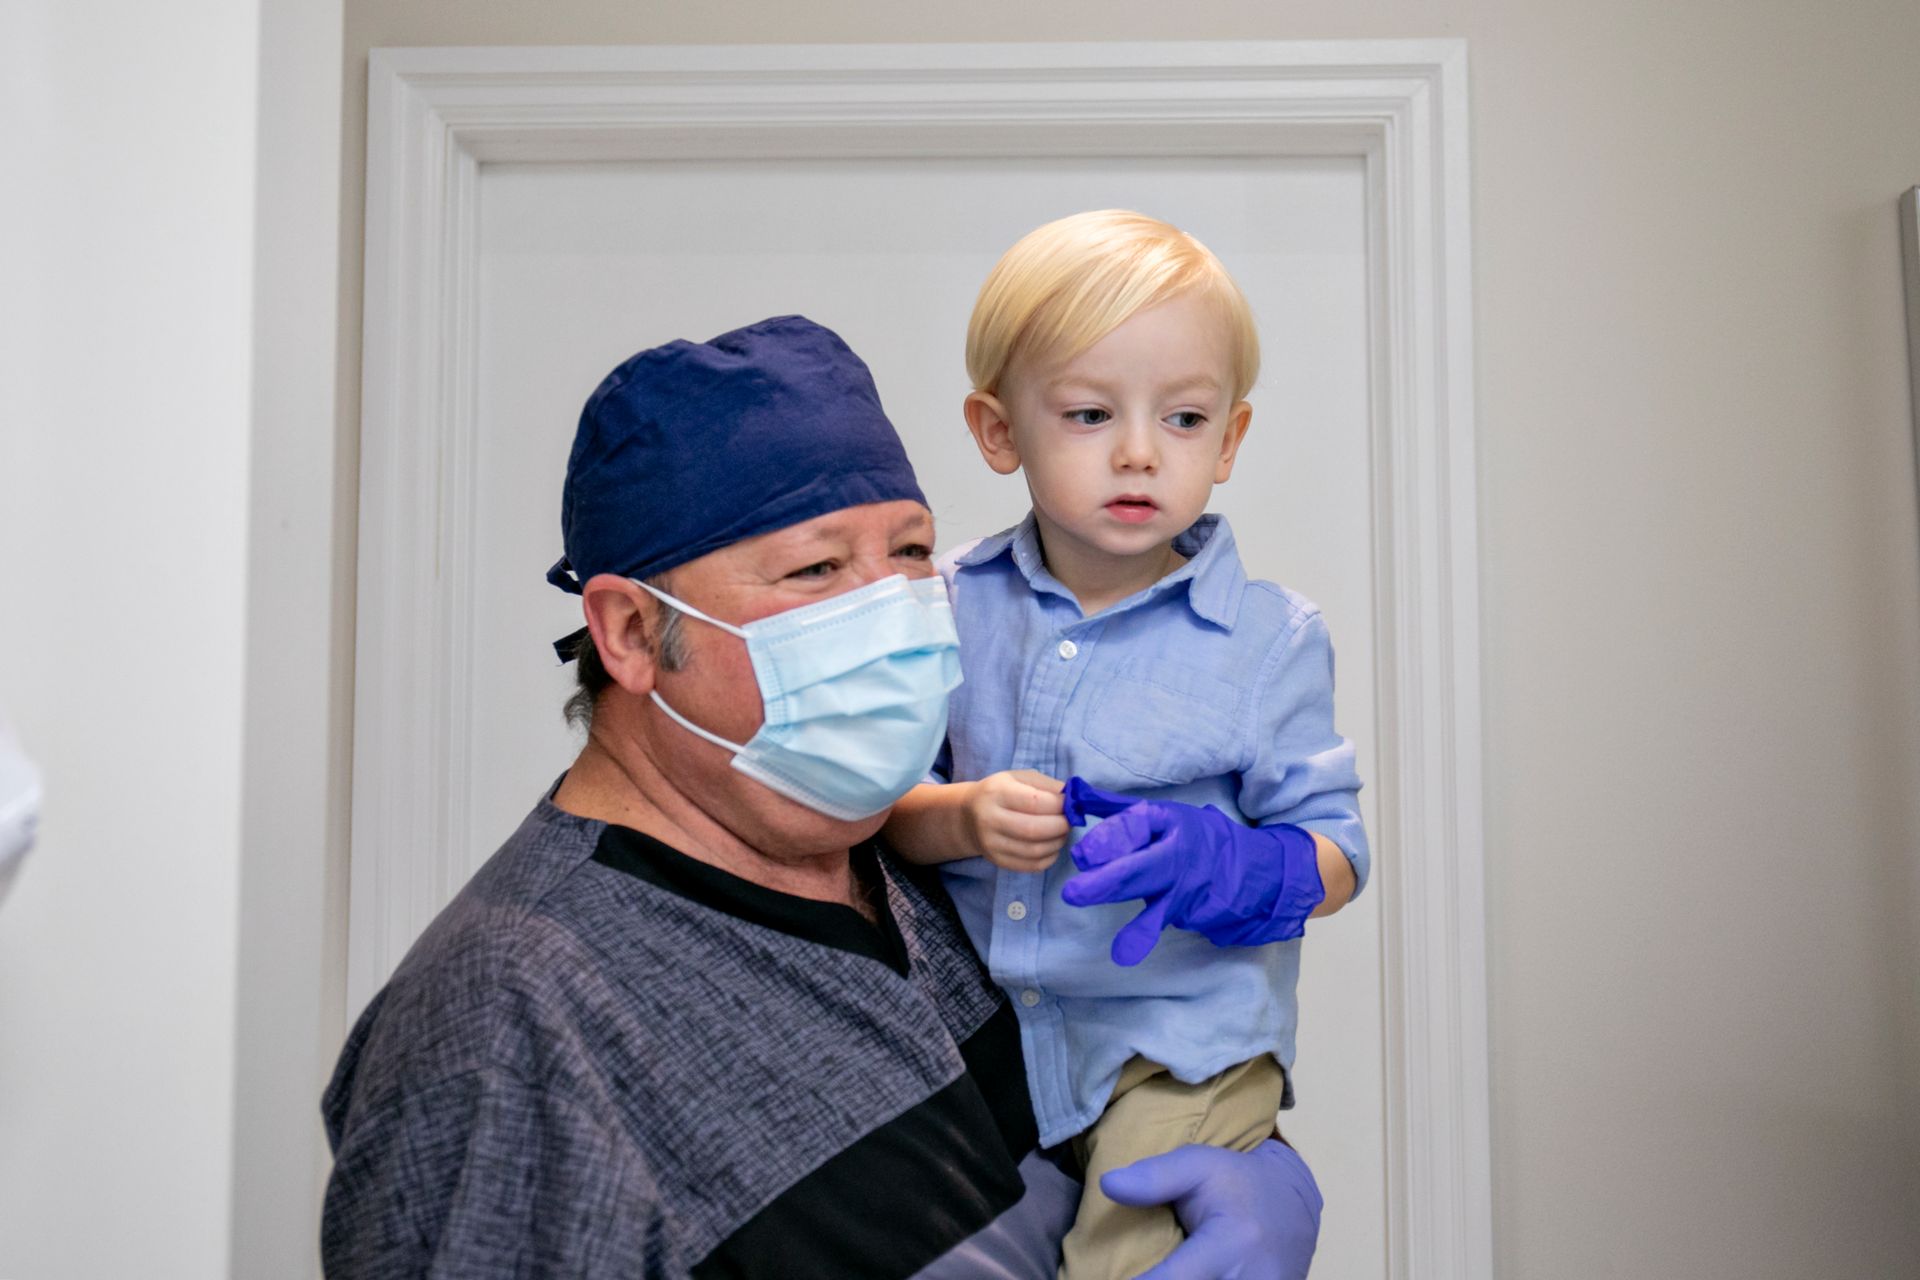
[1249, 1215]
[1082, 800]
[1197, 869]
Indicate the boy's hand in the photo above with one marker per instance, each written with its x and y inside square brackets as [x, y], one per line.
[1014, 819]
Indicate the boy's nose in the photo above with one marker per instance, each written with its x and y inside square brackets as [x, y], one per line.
[1135, 448]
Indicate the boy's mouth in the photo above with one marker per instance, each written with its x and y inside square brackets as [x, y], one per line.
[1134, 508]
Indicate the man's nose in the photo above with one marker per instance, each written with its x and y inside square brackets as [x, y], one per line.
[1136, 447]
[871, 568]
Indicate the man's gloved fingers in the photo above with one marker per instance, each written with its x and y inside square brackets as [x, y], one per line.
[1118, 836]
[1298, 1175]
[1141, 874]
[1158, 1179]
[1136, 938]
[1269, 1236]
[1219, 1249]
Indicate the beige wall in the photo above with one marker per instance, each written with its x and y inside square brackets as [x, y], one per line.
[1701, 578]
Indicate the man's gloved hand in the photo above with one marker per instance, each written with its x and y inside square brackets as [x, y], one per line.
[1252, 1215]
[1197, 868]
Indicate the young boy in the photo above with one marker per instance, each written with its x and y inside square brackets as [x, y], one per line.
[1113, 637]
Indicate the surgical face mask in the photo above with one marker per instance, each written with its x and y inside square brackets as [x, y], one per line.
[854, 690]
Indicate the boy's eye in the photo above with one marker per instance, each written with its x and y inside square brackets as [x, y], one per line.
[1088, 417]
[1187, 419]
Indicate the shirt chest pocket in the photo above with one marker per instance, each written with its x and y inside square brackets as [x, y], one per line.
[1165, 727]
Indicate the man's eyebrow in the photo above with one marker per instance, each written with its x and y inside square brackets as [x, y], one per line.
[823, 539]
[833, 526]
[920, 522]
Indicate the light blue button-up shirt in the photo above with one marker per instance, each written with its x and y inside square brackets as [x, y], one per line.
[1205, 688]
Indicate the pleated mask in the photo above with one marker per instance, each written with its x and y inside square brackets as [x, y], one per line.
[854, 691]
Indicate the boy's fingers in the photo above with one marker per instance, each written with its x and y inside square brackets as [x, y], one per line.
[1014, 792]
[1034, 792]
[1037, 827]
[1026, 857]
[1043, 802]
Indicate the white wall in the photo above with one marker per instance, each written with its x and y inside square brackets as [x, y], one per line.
[298, 731]
[1701, 584]
[125, 346]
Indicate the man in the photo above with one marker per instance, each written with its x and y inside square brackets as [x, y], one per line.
[691, 1020]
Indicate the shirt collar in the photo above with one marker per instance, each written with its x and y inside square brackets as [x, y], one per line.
[830, 924]
[1214, 569]
[1215, 578]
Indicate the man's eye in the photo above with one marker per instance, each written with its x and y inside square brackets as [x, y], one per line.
[1187, 419]
[819, 569]
[915, 551]
[1088, 417]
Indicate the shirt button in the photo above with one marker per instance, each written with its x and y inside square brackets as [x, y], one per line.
[1016, 911]
[1068, 649]
[1029, 997]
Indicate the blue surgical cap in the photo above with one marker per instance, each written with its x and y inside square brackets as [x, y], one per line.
[693, 446]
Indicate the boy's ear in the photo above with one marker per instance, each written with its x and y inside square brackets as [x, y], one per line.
[622, 619]
[1239, 418]
[987, 419]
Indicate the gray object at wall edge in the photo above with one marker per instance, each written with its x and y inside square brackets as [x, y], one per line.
[1910, 254]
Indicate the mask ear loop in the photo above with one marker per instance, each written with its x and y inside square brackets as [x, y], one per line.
[661, 702]
[687, 609]
[693, 728]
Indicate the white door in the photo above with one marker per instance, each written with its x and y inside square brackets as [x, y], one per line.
[580, 266]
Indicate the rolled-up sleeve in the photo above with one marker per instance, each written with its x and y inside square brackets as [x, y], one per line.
[1302, 771]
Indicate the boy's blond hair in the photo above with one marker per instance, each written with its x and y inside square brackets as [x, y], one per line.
[1068, 284]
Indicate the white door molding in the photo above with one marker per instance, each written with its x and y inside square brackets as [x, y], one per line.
[437, 115]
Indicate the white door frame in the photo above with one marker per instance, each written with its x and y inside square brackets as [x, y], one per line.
[437, 115]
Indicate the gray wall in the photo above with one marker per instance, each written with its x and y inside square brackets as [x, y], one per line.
[1701, 578]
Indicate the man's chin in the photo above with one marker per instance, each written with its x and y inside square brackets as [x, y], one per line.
[837, 834]
[804, 832]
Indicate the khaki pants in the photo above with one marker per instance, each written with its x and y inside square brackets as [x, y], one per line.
[1151, 1113]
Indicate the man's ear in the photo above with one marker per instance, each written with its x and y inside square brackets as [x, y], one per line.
[622, 619]
[1239, 418]
[987, 419]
